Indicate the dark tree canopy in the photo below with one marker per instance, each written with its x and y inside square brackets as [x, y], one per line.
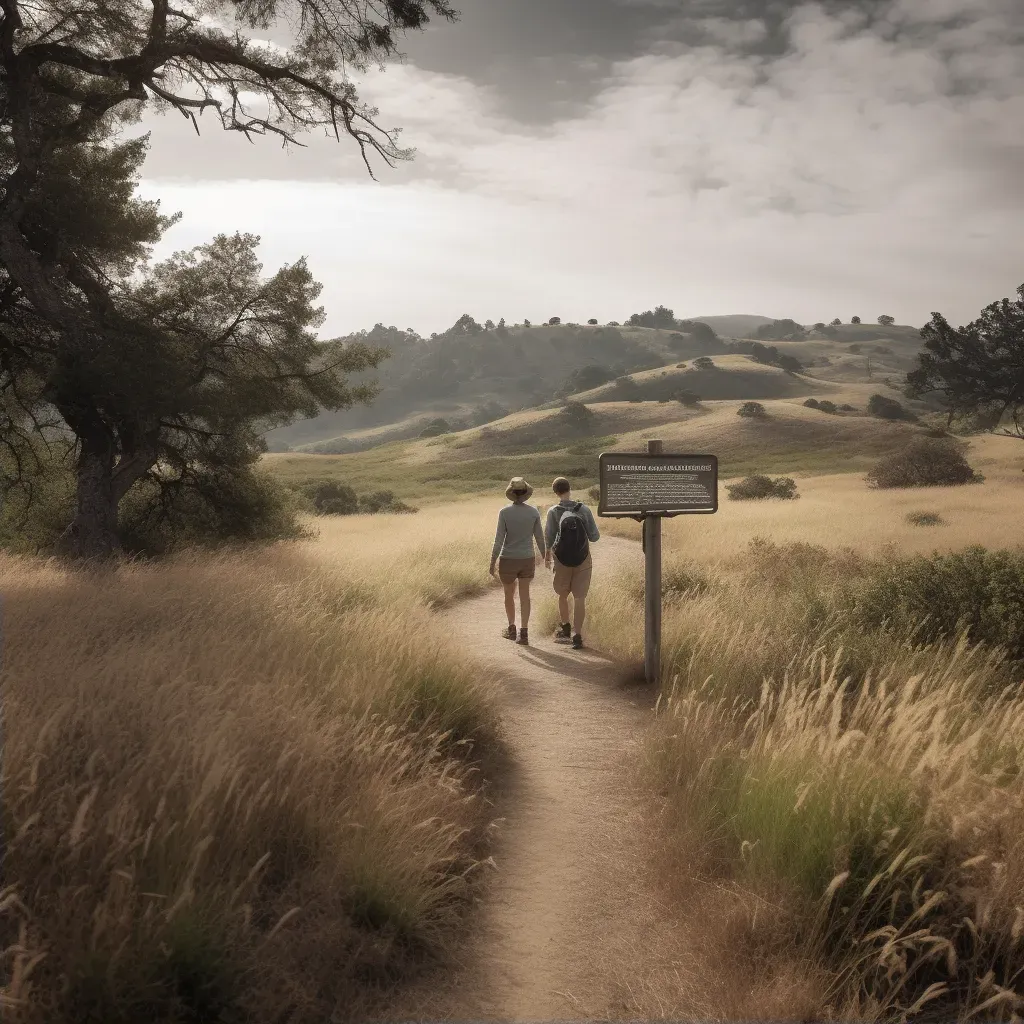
[660, 316]
[978, 369]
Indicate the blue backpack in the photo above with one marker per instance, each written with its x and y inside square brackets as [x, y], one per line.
[571, 545]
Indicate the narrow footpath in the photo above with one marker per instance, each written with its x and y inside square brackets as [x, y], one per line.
[567, 921]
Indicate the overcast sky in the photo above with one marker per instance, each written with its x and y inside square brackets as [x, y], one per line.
[593, 158]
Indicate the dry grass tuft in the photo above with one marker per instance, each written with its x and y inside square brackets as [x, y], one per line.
[237, 787]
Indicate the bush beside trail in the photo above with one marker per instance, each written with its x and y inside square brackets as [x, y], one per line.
[755, 487]
[848, 768]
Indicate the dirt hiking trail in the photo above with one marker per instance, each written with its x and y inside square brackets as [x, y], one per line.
[567, 919]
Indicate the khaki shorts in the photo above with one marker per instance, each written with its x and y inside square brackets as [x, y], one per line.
[512, 569]
[573, 580]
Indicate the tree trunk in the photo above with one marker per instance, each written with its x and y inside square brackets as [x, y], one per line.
[93, 531]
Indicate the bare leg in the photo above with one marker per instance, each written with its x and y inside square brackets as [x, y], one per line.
[563, 608]
[524, 602]
[579, 611]
[510, 602]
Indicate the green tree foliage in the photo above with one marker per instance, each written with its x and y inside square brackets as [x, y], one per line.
[757, 487]
[924, 462]
[699, 331]
[77, 335]
[836, 323]
[854, 319]
[577, 415]
[770, 356]
[585, 379]
[688, 398]
[627, 389]
[886, 321]
[592, 322]
[489, 325]
[978, 370]
[780, 330]
[812, 403]
[703, 363]
[826, 406]
[660, 316]
[555, 320]
[752, 410]
[888, 408]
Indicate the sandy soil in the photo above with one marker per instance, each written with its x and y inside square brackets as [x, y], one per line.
[568, 919]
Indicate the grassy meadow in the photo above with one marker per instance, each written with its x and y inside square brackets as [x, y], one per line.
[240, 786]
[853, 779]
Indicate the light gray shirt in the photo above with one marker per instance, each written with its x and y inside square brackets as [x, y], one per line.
[518, 527]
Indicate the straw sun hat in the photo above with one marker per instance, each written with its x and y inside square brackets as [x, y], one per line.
[518, 488]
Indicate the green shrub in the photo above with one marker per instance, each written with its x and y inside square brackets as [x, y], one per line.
[753, 410]
[924, 519]
[383, 501]
[924, 462]
[975, 589]
[688, 398]
[812, 403]
[829, 407]
[846, 407]
[888, 409]
[576, 414]
[704, 363]
[757, 486]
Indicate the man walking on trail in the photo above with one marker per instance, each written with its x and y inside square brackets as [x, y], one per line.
[569, 531]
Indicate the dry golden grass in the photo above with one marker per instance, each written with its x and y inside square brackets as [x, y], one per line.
[863, 790]
[242, 784]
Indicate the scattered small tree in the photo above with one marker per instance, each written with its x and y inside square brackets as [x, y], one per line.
[854, 319]
[526, 323]
[826, 406]
[592, 322]
[614, 323]
[886, 321]
[489, 325]
[888, 408]
[812, 403]
[924, 462]
[436, 427]
[703, 363]
[688, 398]
[752, 410]
[819, 326]
[501, 322]
[627, 389]
[836, 323]
[577, 415]
[555, 320]
[757, 487]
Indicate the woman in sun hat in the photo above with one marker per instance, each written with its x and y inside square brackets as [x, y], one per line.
[518, 527]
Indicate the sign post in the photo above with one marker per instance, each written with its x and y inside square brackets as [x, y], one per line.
[651, 526]
[648, 487]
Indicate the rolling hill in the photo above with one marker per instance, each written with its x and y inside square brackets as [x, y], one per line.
[475, 376]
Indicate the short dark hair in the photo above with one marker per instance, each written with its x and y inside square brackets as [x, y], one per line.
[561, 485]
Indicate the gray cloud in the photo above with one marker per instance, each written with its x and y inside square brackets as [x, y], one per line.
[796, 158]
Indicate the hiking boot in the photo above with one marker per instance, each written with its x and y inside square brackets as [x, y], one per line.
[523, 638]
[509, 633]
[577, 642]
[563, 634]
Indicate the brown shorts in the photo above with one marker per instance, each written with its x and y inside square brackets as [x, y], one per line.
[573, 580]
[512, 569]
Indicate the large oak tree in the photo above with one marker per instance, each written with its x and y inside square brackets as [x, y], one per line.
[142, 373]
[978, 370]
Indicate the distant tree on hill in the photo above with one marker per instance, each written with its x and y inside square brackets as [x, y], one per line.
[886, 321]
[978, 369]
[501, 322]
[703, 363]
[702, 332]
[576, 414]
[489, 325]
[614, 323]
[836, 323]
[586, 378]
[555, 320]
[888, 408]
[660, 316]
[526, 323]
[854, 319]
[627, 388]
[464, 325]
[436, 427]
[819, 327]
[592, 322]
[688, 398]
[752, 410]
[780, 330]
